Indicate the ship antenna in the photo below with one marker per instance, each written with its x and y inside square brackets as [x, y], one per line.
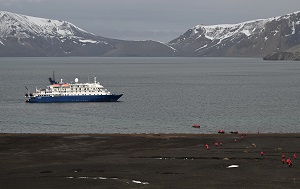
[53, 77]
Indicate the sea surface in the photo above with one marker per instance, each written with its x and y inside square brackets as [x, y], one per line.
[161, 95]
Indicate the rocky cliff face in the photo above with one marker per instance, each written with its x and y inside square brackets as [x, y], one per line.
[22, 35]
[255, 38]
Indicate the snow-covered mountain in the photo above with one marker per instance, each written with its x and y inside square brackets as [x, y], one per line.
[21, 26]
[253, 38]
[22, 35]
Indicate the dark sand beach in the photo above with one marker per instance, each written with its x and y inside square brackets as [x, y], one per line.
[148, 161]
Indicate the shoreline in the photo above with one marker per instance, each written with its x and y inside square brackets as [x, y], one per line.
[145, 134]
[148, 160]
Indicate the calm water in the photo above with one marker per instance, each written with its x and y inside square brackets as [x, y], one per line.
[161, 95]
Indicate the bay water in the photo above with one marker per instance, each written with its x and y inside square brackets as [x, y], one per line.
[161, 95]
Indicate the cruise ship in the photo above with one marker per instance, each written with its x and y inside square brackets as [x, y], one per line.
[71, 92]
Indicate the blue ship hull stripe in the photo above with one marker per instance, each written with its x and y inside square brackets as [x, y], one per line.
[85, 98]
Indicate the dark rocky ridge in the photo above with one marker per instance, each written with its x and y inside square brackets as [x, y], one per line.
[290, 54]
[283, 56]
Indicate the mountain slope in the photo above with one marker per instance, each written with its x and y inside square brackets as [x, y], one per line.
[22, 26]
[141, 48]
[22, 35]
[255, 38]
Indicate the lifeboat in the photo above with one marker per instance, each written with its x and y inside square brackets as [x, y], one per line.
[221, 131]
[196, 125]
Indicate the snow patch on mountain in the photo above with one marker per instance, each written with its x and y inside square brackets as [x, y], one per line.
[266, 38]
[293, 28]
[174, 50]
[87, 41]
[201, 47]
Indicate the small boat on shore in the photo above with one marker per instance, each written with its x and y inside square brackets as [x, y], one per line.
[71, 92]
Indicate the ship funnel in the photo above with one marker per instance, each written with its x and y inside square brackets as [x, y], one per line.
[52, 81]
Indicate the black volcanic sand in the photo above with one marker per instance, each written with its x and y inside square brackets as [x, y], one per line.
[148, 161]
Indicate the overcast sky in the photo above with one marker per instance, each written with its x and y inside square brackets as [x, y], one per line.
[161, 20]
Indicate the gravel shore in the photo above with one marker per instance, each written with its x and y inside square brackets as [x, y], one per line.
[149, 161]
